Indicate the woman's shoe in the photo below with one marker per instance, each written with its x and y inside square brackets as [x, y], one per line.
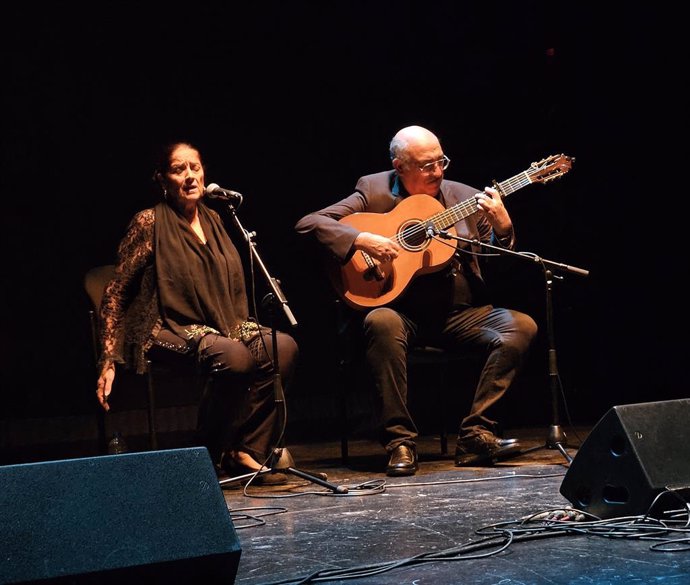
[236, 464]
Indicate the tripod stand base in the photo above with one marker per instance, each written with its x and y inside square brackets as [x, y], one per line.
[281, 459]
[281, 462]
[555, 440]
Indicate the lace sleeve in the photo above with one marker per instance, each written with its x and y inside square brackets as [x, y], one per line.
[135, 253]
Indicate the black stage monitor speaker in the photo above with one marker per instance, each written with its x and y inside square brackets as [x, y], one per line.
[634, 453]
[153, 517]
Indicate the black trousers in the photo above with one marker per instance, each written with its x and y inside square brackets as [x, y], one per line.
[500, 337]
[237, 410]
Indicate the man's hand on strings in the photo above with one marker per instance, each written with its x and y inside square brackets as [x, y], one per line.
[490, 203]
[378, 247]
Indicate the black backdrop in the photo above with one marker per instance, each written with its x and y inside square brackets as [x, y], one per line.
[291, 102]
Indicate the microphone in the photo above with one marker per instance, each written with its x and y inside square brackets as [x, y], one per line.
[214, 191]
[431, 230]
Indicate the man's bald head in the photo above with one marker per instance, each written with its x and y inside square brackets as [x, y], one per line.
[412, 138]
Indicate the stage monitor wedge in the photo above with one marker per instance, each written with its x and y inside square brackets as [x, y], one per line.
[632, 455]
[151, 517]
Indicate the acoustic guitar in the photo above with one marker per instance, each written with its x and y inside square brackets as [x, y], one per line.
[364, 282]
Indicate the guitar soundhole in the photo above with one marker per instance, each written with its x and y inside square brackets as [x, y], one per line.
[412, 235]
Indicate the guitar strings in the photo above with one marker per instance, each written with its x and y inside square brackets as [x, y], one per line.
[458, 212]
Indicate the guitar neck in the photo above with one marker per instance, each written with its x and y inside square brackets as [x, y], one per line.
[459, 211]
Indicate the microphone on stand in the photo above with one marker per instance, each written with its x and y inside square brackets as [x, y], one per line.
[214, 191]
[431, 230]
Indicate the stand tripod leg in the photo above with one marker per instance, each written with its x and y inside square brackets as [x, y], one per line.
[564, 452]
[282, 462]
[243, 477]
[557, 440]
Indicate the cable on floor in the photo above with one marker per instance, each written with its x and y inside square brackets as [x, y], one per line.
[669, 532]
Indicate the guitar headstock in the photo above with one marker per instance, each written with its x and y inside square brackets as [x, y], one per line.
[550, 168]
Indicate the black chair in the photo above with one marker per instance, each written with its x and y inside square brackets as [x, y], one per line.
[95, 281]
[179, 381]
[433, 361]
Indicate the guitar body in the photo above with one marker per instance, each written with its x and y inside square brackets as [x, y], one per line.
[363, 282]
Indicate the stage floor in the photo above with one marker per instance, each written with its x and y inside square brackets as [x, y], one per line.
[445, 525]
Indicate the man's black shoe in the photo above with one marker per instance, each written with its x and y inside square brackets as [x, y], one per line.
[403, 461]
[484, 449]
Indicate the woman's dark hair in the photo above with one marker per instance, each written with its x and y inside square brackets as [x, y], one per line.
[163, 158]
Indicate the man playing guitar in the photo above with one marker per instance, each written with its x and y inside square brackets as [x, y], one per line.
[415, 287]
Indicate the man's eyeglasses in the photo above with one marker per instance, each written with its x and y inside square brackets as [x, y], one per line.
[431, 166]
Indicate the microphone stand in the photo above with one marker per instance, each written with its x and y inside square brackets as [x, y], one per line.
[280, 459]
[556, 438]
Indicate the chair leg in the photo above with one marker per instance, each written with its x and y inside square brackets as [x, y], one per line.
[100, 425]
[153, 436]
[442, 401]
[344, 448]
[344, 451]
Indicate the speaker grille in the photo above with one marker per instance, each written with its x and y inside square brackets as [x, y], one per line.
[159, 514]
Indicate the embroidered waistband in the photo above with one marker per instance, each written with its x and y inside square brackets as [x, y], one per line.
[244, 331]
[241, 332]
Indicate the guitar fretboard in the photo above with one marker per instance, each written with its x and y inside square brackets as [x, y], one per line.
[455, 213]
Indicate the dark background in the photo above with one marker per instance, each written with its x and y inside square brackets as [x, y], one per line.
[290, 102]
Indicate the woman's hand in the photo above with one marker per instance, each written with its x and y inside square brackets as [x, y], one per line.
[104, 385]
